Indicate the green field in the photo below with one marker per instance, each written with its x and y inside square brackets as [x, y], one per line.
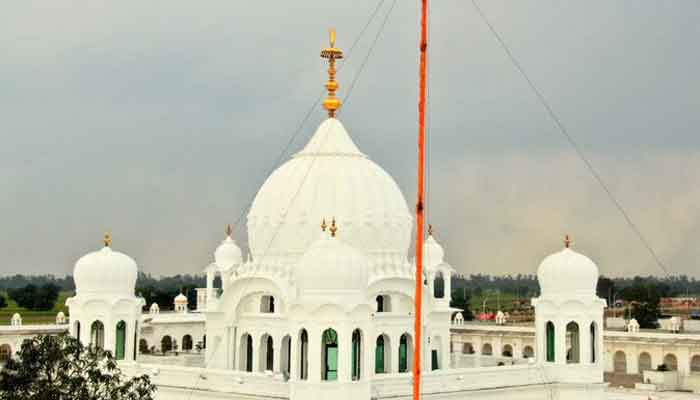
[33, 317]
[508, 301]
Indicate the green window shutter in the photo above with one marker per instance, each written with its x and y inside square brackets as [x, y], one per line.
[379, 356]
[550, 342]
[119, 350]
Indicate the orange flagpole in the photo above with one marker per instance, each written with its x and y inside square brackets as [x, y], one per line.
[420, 205]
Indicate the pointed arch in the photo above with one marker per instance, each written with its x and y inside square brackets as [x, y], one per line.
[573, 337]
[303, 355]
[187, 343]
[245, 362]
[405, 353]
[356, 355]
[329, 356]
[550, 342]
[120, 345]
[594, 342]
[97, 334]
[382, 354]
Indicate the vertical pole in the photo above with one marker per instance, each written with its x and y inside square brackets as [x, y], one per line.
[420, 205]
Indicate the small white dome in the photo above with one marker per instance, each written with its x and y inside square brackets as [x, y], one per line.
[105, 272]
[60, 318]
[567, 273]
[155, 309]
[228, 254]
[331, 265]
[16, 320]
[433, 253]
[180, 299]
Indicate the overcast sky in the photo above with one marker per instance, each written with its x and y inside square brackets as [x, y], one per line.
[159, 120]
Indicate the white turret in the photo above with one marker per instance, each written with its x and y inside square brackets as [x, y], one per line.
[569, 316]
[105, 312]
[155, 309]
[16, 320]
[180, 303]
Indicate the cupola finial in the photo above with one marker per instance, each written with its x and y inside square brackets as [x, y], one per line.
[324, 225]
[430, 229]
[567, 241]
[107, 239]
[332, 103]
[229, 230]
[334, 228]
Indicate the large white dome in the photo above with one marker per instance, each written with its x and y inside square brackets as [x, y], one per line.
[329, 178]
[568, 274]
[105, 272]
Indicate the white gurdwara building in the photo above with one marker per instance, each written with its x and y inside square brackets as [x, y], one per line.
[324, 305]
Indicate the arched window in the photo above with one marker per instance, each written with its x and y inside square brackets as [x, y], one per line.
[97, 335]
[204, 341]
[435, 353]
[528, 352]
[644, 362]
[245, 362]
[356, 355]
[671, 362]
[439, 286]
[620, 362]
[267, 304]
[303, 355]
[486, 350]
[695, 364]
[467, 348]
[573, 356]
[380, 303]
[266, 353]
[76, 332]
[550, 342]
[120, 347]
[187, 343]
[5, 353]
[507, 351]
[594, 341]
[136, 336]
[166, 344]
[285, 359]
[382, 356]
[330, 355]
[405, 352]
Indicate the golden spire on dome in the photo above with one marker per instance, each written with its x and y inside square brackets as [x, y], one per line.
[324, 225]
[430, 229]
[107, 239]
[332, 103]
[229, 230]
[334, 228]
[567, 241]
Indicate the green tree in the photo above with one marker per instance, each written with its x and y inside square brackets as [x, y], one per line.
[3, 302]
[59, 367]
[38, 298]
[462, 299]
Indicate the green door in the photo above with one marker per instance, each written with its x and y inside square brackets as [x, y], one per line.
[403, 354]
[379, 356]
[434, 360]
[331, 362]
[119, 350]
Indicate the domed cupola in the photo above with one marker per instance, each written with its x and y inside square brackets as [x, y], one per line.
[228, 254]
[433, 253]
[105, 272]
[331, 269]
[567, 273]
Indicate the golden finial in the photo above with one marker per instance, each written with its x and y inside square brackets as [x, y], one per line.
[323, 225]
[567, 241]
[430, 229]
[334, 228]
[107, 239]
[229, 231]
[332, 103]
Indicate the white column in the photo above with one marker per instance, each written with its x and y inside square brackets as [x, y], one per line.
[210, 286]
[277, 354]
[254, 340]
[344, 354]
[294, 350]
[314, 358]
[585, 342]
[448, 286]
[560, 342]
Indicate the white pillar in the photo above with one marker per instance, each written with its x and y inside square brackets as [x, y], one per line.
[210, 286]
[314, 358]
[448, 286]
[560, 342]
[294, 351]
[344, 354]
[277, 354]
[585, 342]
